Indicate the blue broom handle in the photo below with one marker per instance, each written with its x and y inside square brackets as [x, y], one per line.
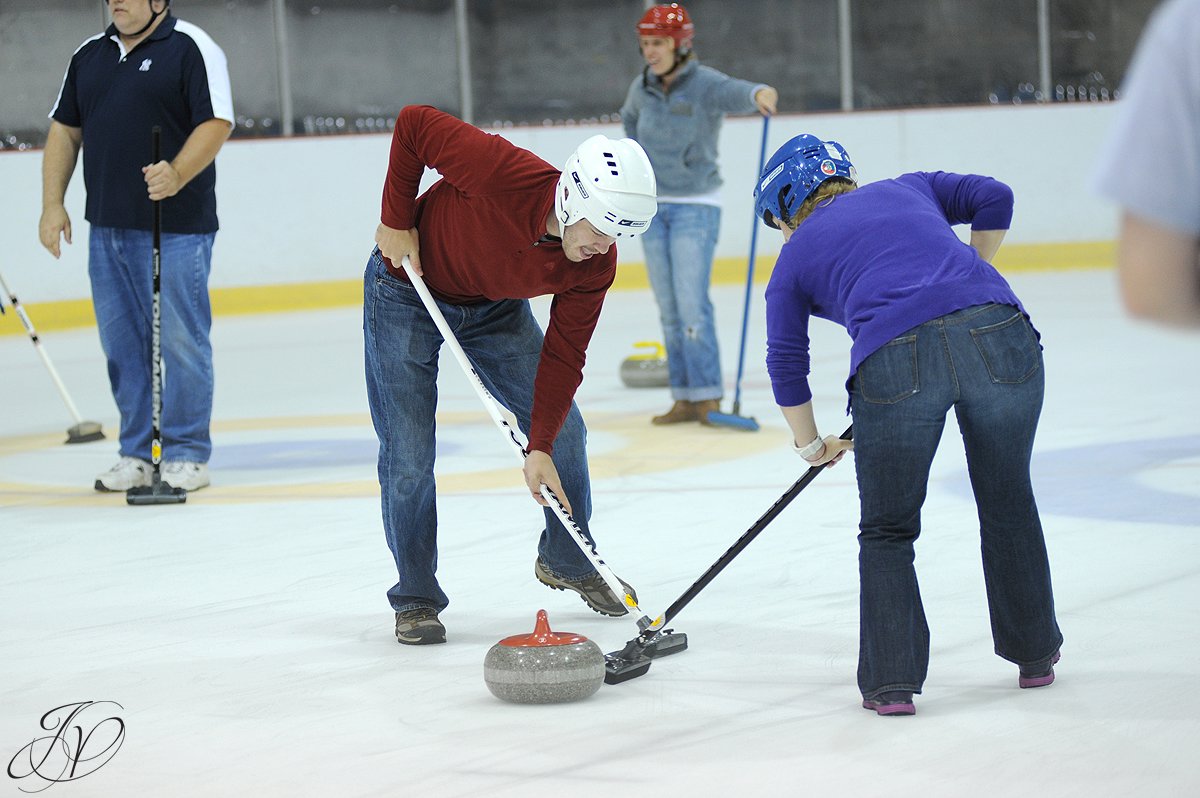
[737, 390]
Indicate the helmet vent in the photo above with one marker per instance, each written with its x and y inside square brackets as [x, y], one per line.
[612, 186]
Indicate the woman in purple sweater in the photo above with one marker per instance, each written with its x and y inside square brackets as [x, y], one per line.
[934, 327]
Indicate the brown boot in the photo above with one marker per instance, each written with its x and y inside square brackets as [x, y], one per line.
[703, 408]
[681, 411]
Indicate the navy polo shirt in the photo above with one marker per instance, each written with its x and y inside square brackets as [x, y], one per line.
[175, 78]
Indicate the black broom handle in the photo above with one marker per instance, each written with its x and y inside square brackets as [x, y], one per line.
[748, 536]
[156, 323]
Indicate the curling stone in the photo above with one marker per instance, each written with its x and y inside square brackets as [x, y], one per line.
[647, 368]
[544, 667]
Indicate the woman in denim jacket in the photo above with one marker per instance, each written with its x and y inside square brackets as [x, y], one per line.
[674, 110]
[934, 327]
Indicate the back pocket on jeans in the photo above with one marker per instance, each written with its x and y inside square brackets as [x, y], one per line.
[1009, 350]
[889, 375]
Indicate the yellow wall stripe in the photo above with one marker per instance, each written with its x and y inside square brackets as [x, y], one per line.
[71, 313]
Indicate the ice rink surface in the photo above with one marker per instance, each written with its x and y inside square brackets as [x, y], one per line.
[245, 642]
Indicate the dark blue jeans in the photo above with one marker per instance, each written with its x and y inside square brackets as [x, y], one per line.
[504, 343]
[986, 364]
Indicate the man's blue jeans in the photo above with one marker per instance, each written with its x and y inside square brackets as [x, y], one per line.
[679, 248]
[120, 265]
[504, 343]
[986, 364]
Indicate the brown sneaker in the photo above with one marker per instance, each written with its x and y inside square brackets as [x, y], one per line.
[703, 408]
[592, 588]
[681, 411]
[419, 627]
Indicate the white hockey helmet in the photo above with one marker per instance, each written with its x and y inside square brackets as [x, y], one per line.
[610, 183]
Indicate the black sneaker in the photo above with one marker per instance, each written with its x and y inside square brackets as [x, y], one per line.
[419, 627]
[595, 591]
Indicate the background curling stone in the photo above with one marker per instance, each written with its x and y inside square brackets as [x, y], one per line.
[646, 369]
[544, 667]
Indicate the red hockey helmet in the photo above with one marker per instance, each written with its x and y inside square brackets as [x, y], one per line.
[669, 20]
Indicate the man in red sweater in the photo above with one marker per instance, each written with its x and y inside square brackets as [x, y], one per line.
[500, 227]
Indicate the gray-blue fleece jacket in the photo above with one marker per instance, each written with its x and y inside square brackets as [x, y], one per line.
[678, 129]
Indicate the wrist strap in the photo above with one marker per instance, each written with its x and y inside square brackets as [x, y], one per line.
[812, 449]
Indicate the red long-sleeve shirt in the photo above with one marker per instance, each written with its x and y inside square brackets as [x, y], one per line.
[479, 229]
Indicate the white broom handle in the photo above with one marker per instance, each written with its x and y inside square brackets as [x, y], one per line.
[37, 344]
[493, 408]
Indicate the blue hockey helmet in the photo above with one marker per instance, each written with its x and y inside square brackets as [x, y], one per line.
[794, 173]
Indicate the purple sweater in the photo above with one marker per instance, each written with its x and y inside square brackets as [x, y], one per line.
[880, 261]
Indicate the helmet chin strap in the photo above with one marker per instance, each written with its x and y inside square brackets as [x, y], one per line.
[153, 16]
[679, 59]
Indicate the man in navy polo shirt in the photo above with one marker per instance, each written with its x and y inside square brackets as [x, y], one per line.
[148, 68]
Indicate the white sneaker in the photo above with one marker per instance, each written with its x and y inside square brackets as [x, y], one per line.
[129, 472]
[186, 475]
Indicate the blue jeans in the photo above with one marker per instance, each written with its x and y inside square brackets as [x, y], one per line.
[120, 265]
[504, 343]
[986, 364]
[679, 248]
